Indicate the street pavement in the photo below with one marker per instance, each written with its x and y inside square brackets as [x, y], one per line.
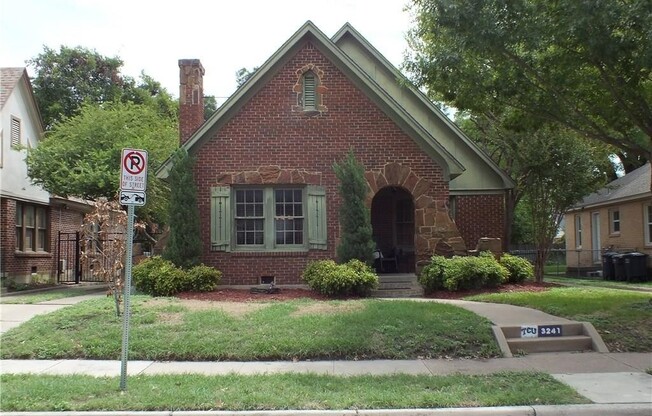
[617, 383]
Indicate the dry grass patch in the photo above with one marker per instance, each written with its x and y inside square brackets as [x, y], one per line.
[235, 309]
[330, 308]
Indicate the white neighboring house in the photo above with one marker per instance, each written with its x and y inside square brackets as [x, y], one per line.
[30, 218]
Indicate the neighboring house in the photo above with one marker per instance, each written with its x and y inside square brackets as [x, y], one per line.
[268, 196]
[30, 218]
[618, 217]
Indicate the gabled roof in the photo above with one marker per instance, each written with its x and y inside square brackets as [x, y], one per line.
[451, 165]
[634, 185]
[9, 79]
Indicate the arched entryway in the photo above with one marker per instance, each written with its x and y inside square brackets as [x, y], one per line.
[392, 219]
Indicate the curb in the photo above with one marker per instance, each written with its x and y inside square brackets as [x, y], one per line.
[621, 409]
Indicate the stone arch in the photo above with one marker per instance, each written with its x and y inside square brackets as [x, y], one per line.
[434, 230]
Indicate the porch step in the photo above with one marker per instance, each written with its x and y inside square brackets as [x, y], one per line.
[575, 336]
[404, 285]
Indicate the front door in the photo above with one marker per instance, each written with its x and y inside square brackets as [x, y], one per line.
[392, 220]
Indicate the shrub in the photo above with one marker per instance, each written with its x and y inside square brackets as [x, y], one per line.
[331, 279]
[432, 274]
[158, 277]
[202, 279]
[519, 268]
[462, 273]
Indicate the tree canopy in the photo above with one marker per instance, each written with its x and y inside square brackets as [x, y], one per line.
[66, 79]
[585, 64]
[81, 156]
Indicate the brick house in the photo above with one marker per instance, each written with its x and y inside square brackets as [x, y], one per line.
[617, 217]
[30, 218]
[268, 196]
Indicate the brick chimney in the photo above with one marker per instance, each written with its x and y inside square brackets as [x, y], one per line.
[191, 97]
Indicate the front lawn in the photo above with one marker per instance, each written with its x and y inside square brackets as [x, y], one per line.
[279, 392]
[623, 318]
[192, 330]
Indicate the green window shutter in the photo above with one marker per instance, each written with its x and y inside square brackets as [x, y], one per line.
[317, 219]
[220, 218]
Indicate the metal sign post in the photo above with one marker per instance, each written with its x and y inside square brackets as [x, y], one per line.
[133, 183]
[127, 298]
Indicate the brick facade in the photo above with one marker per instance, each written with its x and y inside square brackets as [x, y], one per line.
[480, 216]
[269, 131]
[21, 266]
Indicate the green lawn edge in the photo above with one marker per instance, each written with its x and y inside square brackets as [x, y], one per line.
[280, 392]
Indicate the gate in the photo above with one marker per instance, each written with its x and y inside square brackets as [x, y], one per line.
[68, 258]
[70, 268]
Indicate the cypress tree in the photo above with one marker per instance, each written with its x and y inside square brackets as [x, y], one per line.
[355, 217]
[184, 246]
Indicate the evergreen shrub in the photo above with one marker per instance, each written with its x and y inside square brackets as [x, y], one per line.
[519, 269]
[332, 279]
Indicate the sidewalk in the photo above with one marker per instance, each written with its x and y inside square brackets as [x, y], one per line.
[615, 380]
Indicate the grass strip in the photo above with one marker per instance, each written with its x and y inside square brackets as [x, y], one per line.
[280, 392]
[612, 284]
[174, 330]
[623, 318]
[54, 294]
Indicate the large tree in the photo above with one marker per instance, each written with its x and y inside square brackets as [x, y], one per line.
[81, 156]
[66, 79]
[585, 64]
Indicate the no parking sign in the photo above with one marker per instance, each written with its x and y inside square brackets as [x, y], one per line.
[133, 177]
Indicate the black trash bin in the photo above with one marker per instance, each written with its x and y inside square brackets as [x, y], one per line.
[636, 267]
[619, 266]
[608, 265]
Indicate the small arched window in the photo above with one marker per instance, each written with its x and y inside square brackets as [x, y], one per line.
[309, 91]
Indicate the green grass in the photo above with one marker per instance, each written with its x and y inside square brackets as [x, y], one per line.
[278, 392]
[599, 283]
[168, 329]
[54, 294]
[623, 318]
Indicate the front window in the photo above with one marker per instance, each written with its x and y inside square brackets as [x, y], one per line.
[614, 216]
[648, 224]
[269, 218]
[288, 221]
[578, 231]
[249, 217]
[31, 227]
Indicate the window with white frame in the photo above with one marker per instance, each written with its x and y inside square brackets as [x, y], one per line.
[268, 218]
[614, 221]
[31, 227]
[578, 231]
[647, 223]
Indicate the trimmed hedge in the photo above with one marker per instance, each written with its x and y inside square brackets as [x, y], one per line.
[159, 277]
[462, 273]
[329, 278]
[519, 269]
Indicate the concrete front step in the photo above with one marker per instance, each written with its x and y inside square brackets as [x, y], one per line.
[575, 336]
[398, 285]
[565, 343]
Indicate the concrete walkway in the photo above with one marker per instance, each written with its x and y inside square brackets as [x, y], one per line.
[615, 380]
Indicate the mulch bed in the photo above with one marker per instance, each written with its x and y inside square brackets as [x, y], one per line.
[243, 295]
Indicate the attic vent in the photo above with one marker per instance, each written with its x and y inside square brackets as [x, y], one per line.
[309, 93]
[15, 131]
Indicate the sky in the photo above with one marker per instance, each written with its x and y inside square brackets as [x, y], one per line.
[151, 36]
